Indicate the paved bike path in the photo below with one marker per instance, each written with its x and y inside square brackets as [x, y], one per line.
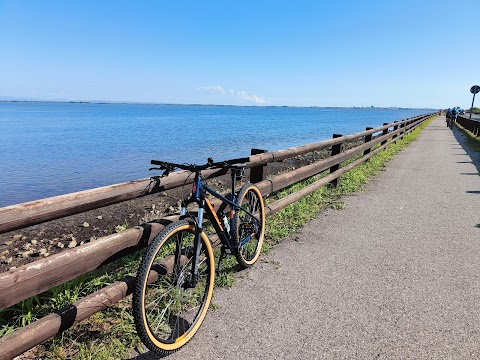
[394, 275]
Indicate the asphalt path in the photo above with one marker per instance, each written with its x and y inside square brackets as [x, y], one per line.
[395, 275]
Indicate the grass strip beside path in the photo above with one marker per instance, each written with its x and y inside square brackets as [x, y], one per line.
[473, 141]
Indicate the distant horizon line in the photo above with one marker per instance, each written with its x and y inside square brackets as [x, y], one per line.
[112, 102]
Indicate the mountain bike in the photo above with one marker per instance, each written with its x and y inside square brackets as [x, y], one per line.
[174, 284]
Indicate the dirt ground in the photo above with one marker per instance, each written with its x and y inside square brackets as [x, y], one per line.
[26, 245]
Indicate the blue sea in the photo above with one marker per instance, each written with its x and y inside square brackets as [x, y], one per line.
[48, 149]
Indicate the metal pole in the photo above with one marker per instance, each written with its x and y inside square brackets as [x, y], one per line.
[471, 109]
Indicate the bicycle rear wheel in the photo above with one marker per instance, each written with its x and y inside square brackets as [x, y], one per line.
[249, 230]
[168, 313]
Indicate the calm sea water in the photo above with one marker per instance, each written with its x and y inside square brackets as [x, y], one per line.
[48, 149]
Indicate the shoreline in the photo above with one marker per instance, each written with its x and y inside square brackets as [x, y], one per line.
[101, 102]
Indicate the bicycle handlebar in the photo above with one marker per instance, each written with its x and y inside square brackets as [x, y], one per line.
[169, 166]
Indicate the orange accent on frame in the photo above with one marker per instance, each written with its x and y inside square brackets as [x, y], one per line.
[209, 204]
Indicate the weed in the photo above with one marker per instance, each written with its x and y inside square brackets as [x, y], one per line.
[245, 276]
[214, 306]
[473, 142]
[224, 280]
[338, 205]
[225, 277]
[276, 264]
[120, 228]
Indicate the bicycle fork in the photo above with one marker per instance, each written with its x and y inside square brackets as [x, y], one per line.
[197, 246]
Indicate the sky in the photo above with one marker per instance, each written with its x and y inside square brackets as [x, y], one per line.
[396, 53]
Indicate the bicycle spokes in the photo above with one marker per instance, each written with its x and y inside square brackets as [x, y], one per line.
[249, 225]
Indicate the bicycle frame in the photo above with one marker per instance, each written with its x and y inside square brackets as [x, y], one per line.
[199, 196]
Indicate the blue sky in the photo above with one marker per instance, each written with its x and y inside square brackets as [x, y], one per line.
[297, 53]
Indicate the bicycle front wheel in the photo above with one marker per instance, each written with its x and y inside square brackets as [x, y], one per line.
[249, 225]
[167, 311]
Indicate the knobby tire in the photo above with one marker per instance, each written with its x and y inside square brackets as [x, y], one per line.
[167, 313]
[249, 231]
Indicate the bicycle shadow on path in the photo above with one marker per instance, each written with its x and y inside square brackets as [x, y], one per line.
[146, 356]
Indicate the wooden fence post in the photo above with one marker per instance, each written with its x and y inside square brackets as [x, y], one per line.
[258, 173]
[368, 138]
[395, 127]
[336, 149]
[385, 132]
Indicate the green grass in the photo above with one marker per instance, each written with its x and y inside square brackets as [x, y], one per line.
[473, 142]
[110, 334]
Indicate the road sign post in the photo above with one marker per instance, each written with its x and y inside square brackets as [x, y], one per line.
[475, 89]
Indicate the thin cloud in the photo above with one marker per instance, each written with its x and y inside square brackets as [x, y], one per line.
[213, 89]
[244, 97]
[238, 96]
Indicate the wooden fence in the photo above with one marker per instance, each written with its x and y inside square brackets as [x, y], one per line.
[471, 125]
[41, 275]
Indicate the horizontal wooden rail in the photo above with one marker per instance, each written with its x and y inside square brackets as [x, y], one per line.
[36, 277]
[131, 239]
[471, 125]
[34, 212]
[263, 159]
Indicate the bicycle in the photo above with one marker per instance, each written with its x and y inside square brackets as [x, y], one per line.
[452, 119]
[174, 284]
